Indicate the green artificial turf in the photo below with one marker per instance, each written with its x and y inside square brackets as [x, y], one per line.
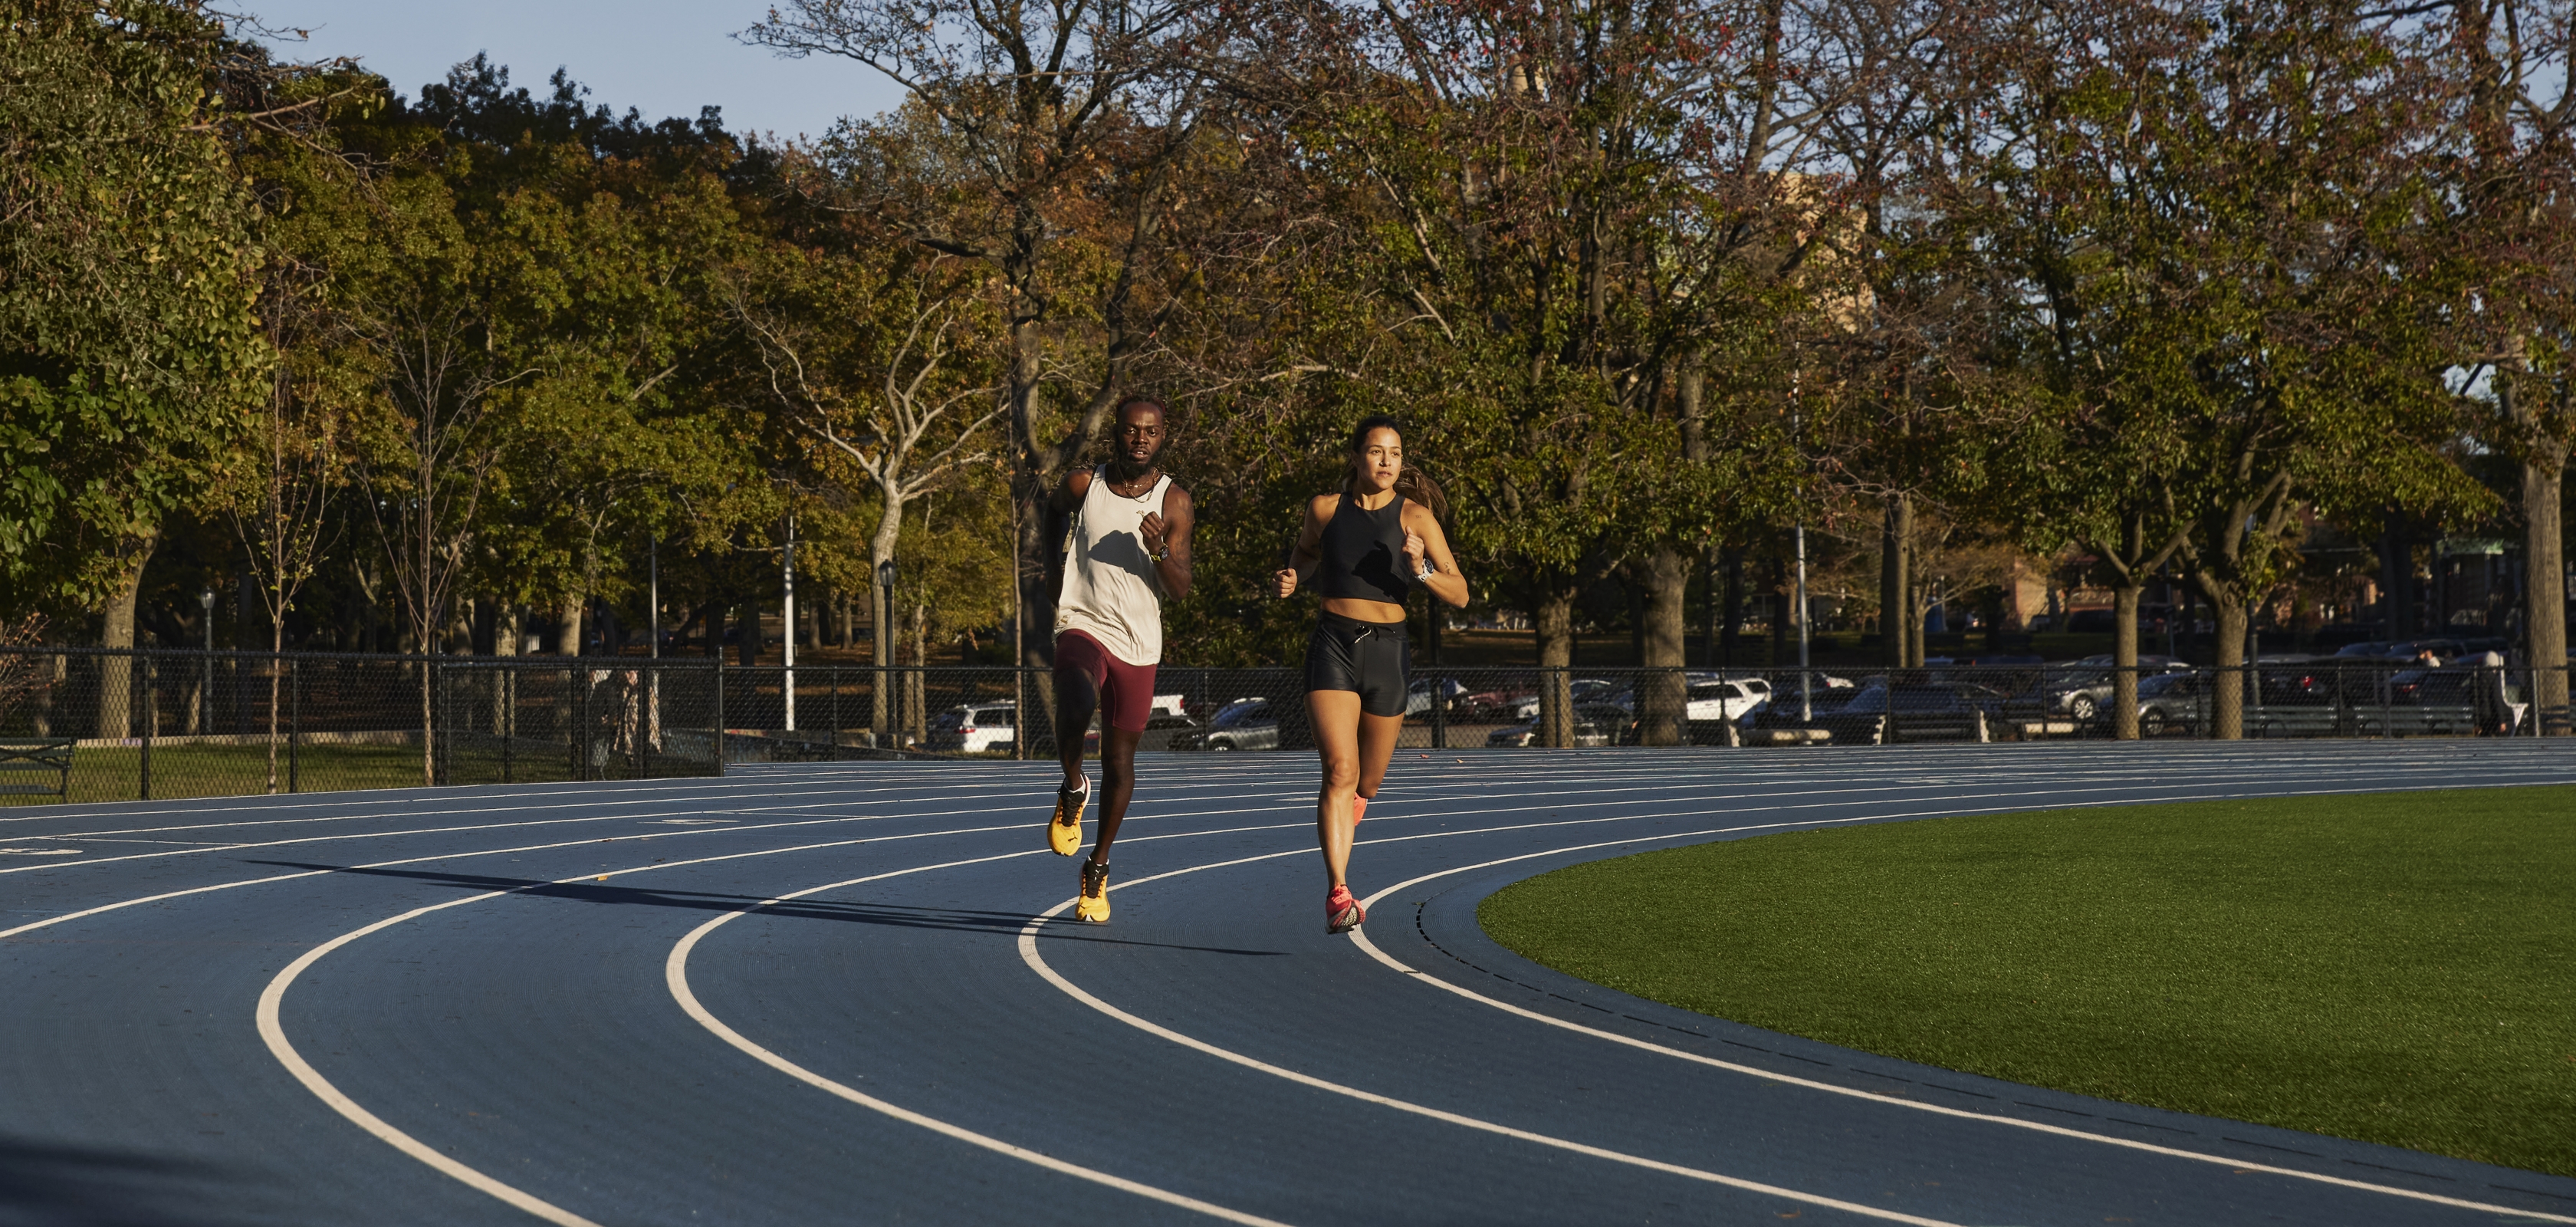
[2394, 967]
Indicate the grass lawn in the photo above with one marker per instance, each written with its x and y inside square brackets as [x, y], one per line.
[2395, 967]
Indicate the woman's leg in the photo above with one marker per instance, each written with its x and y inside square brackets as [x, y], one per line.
[1336, 717]
[1377, 745]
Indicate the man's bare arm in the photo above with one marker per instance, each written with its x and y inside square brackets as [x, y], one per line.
[1067, 496]
[1167, 535]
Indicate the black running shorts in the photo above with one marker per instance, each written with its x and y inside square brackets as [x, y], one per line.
[1367, 657]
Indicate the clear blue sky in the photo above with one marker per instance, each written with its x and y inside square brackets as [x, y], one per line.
[663, 57]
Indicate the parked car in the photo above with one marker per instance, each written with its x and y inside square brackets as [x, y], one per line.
[1781, 709]
[2491, 699]
[1715, 701]
[975, 729]
[1901, 711]
[1417, 697]
[1595, 724]
[1500, 703]
[1583, 690]
[2171, 702]
[1253, 723]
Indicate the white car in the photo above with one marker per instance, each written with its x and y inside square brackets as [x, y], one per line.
[975, 729]
[1711, 702]
[1583, 690]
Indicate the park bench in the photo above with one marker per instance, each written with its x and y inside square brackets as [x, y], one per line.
[22, 758]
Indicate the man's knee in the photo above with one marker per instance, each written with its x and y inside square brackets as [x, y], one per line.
[1341, 776]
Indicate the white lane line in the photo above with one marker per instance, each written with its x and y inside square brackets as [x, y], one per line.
[1029, 954]
[273, 1032]
[1424, 977]
[275, 1035]
[675, 974]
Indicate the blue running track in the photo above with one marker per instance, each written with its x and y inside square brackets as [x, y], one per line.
[853, 994]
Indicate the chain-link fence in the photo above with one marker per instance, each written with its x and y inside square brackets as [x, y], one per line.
[836, 711]
[90, 724]
[94, 724]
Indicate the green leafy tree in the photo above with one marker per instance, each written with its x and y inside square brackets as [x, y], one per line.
[2220, 239]
[1569, 215]
[128, 271]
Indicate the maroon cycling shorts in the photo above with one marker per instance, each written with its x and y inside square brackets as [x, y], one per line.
[1126, 691]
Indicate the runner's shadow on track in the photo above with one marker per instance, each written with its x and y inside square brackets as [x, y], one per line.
[958, 920]
[51, 1183]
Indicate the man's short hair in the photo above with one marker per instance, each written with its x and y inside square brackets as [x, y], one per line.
[1120, 413]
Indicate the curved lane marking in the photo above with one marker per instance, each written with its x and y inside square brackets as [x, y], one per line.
[1811, 1084]
[1029, 954]
[675, 974]
[272, 1030]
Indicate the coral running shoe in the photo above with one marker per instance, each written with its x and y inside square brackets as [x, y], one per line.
[1359, 809]
[1093, 906]
[1064, 831]
[1342, 913]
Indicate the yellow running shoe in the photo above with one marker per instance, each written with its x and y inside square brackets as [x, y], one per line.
[1094, 903]
[1064, 831]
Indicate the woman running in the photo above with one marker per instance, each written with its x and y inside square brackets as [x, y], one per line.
[1371, 542]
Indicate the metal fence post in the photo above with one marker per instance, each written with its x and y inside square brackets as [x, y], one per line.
[443, 729]
[506, 680]
[1439, 707]
[579, 734]
[720, 714]
[2386, 683]
[294, 723]
[151, 717]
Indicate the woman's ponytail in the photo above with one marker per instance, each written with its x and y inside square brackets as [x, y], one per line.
[1417, 486]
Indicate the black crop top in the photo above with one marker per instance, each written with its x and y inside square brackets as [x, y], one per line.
[1364, 553]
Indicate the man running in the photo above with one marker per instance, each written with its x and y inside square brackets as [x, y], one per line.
[1131, 547]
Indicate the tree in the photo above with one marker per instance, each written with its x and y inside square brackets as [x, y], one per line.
[1564, 215]
[2518, 118]
[128, 262]
[873, 354]
[2220, 238]
[1047, 143]
[278, 486]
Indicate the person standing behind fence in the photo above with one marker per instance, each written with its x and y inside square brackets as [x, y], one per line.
[1131, 548]
[1365, 547]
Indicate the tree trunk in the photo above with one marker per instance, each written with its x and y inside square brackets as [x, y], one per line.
[116, 673]
[1895, 582]
[1918, 606]
[2227, 701]
[881, 630]
[1554, 622]
[2124, 660]
[568, 636]
[747, 634]
[1662, 711]
[2544, 616]
[2397, 598]
[1731, 628]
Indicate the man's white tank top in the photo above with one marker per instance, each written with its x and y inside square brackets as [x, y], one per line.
[1111, 589]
